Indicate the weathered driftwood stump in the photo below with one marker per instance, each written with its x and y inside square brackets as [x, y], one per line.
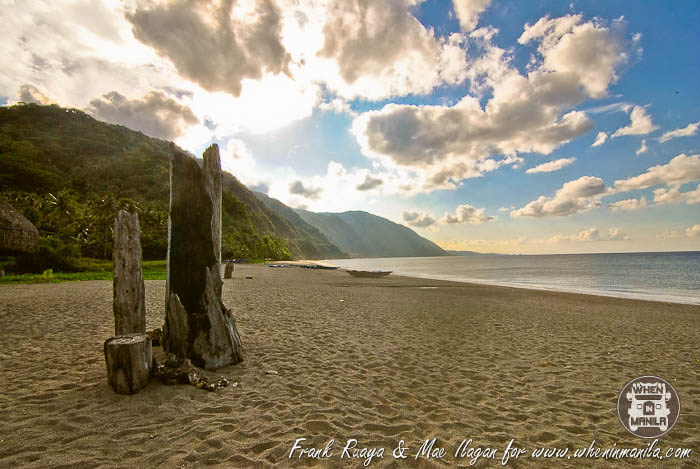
[228, 271]
[197, 324]
[129, 299]
[129, 360]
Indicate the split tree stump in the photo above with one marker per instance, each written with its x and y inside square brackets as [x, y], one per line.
[129, 361]
[197, 325]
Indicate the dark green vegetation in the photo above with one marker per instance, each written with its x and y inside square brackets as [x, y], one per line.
[70, 174]
[362, 234]
[90, 269]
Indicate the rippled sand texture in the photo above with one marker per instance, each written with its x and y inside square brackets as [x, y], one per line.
[378, 360]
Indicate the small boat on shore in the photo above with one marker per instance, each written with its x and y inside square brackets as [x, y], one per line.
[318, 265]
[369, 273]
[305, 265]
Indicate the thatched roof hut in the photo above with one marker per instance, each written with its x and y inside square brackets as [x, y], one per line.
[17, 234]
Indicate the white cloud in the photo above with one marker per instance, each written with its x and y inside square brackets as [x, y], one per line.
[369, 183]
[309, 192]
[680, 170]
[687, 131]
[337, 105]
[466, 214]
[76, 51]
[456, 142]
[628, 204]
[579, 195]
[336, 170]
[487, 245]
[79, 51]
[673, 195]
[418, 219]
[264, 105]
[589, 51]
[693, 231]
[236, 62]
[237, 159]
[600, 139]
[669, 234]
[379, 49]
[591, 234]
[31, 94]
[488, 65]
[211, 44]
[261, 65]
[640, 124]
[336, 188]
[155, 114]
[607, 108]
[468, 12]
[551, 166]
[642, 148]
[530, 113]
[615, 234]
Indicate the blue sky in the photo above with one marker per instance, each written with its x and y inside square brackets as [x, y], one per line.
[487, 125]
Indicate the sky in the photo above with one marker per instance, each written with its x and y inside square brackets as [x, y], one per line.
[484, 125]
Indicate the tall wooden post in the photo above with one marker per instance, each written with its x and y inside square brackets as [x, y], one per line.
[129, 297]
[198, 325]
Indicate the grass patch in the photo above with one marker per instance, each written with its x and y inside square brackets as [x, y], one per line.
[91, 269]
[154, 270]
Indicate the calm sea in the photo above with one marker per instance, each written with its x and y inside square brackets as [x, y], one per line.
[662, 276]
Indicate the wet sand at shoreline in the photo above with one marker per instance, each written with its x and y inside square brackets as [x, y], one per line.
[378, 360]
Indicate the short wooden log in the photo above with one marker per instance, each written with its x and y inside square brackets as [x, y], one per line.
[129, 361]
[228, 272]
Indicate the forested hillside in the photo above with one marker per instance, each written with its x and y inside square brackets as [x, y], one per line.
[69, 174]
[363, 234]
[320, 243]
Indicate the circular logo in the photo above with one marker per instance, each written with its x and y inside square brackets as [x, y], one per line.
[648, 406]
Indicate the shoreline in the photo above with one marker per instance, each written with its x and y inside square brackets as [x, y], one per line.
[655, 282]
[535, 287]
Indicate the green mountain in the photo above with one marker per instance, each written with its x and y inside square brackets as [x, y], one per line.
[359, 234]
[321, 245]
[362, 234]
[69, 174]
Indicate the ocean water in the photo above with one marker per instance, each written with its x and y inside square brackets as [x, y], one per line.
[661, 276]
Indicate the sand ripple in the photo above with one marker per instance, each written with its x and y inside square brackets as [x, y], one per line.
[392, 361]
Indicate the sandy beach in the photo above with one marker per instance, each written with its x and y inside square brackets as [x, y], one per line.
[377, 360]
